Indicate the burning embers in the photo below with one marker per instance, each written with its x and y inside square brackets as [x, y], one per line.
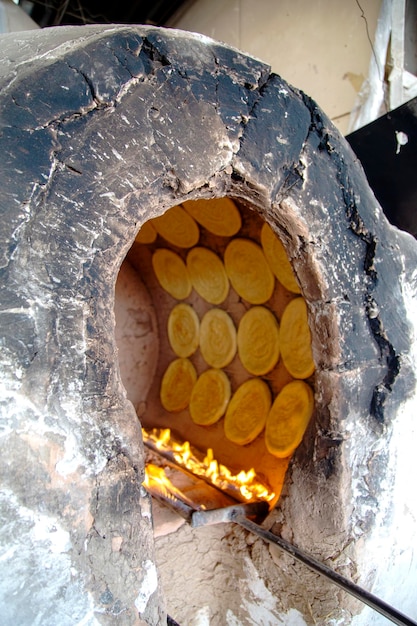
[244, 486]
[234, 374]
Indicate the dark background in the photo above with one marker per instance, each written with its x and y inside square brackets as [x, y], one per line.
[60, 12]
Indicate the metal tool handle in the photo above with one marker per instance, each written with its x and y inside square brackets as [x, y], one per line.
[257, 510]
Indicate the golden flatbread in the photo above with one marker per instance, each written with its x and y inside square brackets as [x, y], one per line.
[172, 273]
[277, 259]
[288, 418]
[177, 384]
[177, 227]
[220, 216]
[247, 412]
[183, 330]
[258, 340]
[295, 340]
[146, 234]
[248, 271]
[208, 275]
[217, 338]
[209, 397]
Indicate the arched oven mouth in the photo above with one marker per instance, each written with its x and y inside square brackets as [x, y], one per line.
[224, 308]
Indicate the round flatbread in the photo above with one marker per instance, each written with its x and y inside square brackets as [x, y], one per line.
[258, 340]
[209, 397]
[247, 412]
[217, 338]
[288, 418]
[208, 275]
[177, 384]
[277, 259]
[147, 233]
[172, 273]
[248, 271]
[183, 330]
[220, 216]
[295, 340]
[177, 227]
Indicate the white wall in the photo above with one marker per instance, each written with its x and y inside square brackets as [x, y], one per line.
[13, 18]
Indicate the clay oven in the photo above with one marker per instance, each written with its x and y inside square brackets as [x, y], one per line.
[105, 129]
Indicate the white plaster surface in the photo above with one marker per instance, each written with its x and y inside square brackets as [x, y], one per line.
[257, 599]
[391, 549]
[148, 586]
[202, 617]
[40, 537]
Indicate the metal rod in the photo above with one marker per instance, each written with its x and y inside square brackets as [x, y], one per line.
[257, 510]
[164, 496]
[344, 583]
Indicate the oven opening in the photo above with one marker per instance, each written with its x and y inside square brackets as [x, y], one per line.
[215, 354]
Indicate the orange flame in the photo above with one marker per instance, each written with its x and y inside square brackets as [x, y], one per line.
[245, 485]
[157, 480]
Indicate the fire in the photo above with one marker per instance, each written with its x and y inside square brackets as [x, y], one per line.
[244, 486]
[154, 473]
[157, 481]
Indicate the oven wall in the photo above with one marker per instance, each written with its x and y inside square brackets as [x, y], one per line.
[321, 47]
